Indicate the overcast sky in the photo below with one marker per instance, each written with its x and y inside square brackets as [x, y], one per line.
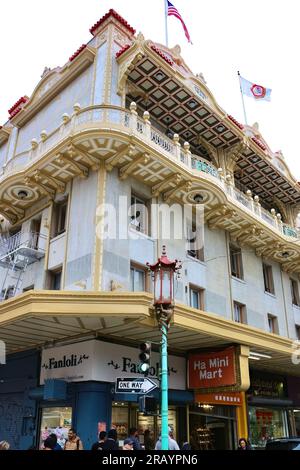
[259, 38]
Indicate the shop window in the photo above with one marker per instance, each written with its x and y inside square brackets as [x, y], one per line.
[139, 215]
[295, 292]
[239, 312]
[266, 423]
[272, 324]
[268, 279]
[120, 420]
[139, 279]
[236, 262]
[57, 420]
[196, 297]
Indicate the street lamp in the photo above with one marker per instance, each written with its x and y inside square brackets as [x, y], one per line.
[163, 272]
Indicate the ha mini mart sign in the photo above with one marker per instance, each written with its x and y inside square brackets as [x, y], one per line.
[212, 370]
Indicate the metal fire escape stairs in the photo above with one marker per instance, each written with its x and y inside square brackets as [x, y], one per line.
[16, 253]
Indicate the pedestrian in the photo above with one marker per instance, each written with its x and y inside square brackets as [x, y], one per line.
[172, 444]
[49, 443]
[54, 437]
[186, 446]
[74, 441]
[111, 442]
[102, 438]
[128, 444]
[244, 444]
[4, 445]
[134, 436]
[148, 440]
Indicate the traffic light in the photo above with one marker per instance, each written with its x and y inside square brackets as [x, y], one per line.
[144, 357]
[148, 405]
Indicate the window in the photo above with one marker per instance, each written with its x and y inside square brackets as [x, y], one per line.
[239, 312]
[298, 331]
[8, 293]
[194, 241]
[54, 279]
[59, 218]
[139, 214]
[272, 324]
[295, 292]
[268, 279]
[236, 262]
[196, 297]
[138, 278]
[26, 289]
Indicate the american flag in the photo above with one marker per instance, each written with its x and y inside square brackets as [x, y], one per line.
[172, 11]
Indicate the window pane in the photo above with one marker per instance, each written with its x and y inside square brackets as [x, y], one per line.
[195, 299]
[237, 312]
[137, 280]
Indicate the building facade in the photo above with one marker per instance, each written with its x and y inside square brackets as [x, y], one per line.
[93, 163]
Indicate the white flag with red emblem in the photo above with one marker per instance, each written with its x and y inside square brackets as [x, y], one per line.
[258, 92]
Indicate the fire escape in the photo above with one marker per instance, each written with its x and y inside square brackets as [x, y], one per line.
[16, 253]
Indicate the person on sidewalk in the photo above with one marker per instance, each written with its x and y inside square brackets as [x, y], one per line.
[134, 436]
[102, 438]
[172, 445]
[111, 442]
[74, 441]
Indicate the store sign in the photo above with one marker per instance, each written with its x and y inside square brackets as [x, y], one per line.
[220, 398]
[101, 361]
[212, 370]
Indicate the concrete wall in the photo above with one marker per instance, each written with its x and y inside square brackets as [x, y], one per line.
[81, 232]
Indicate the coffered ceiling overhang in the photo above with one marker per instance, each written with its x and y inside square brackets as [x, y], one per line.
[183, 104]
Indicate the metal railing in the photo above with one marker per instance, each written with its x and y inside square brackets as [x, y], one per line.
[108, 116]
[20, 240]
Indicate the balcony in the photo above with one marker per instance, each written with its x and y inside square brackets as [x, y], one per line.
[127, 122]
[29, 245]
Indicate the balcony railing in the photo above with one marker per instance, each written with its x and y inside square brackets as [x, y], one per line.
[113, 117]
[31, 244]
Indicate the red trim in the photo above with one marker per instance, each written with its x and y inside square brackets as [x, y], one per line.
[115, 15]
[162, 55]
[259, 143]
[20, 101]
[81, 48]
[237, 123]
[121, 51]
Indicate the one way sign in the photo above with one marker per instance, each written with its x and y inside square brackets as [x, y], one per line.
[135, 385]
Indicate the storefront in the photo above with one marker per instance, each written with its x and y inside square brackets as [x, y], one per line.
[216, 418]
[269, 408]
[86, 372]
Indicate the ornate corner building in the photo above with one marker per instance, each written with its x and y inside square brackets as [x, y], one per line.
[126, 125]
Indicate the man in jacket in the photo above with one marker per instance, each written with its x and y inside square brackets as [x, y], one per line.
[74, 441]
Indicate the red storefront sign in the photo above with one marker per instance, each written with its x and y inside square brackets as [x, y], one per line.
[220, 398]
[212, 370]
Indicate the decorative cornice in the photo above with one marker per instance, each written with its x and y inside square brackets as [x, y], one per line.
[121, 51]
[237, 123]
[76, 53]
[66, 75]
[162, 55]
[16, 108]
[111, 12]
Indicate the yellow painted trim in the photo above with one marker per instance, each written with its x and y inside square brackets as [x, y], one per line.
[67, 235]
[242, 418]
[99, 232]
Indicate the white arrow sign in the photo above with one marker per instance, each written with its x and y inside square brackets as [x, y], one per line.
[135, 385]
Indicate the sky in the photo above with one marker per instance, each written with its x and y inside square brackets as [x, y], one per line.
[259, 38]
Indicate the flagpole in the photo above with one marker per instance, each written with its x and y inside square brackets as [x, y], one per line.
[244, 109]
[166, 22]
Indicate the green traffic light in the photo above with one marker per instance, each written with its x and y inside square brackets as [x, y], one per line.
[144, 367]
